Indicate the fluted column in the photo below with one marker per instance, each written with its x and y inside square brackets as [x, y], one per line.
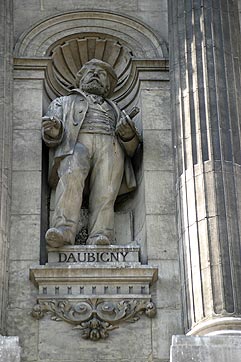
[206, 111]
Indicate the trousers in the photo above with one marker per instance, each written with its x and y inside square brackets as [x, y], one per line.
[100, 157]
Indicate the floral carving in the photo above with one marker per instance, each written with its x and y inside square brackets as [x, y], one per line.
[95, 317]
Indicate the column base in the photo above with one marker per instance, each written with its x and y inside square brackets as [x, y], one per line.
[217, 326]
[205, 348]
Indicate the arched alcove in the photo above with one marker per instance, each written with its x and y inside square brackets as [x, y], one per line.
[79, 36]
[37, 41]
[61, 44]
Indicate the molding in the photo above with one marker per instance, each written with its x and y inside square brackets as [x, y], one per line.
[217, 326]
[43, 36]
[45, 276]
[94, 297]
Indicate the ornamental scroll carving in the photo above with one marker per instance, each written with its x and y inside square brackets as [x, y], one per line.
[95, 317]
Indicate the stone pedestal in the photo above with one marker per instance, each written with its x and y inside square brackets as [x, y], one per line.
[9, 349]
[95, 288]
[206, 99]
[206, 349]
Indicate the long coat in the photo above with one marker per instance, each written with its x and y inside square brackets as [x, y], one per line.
[71, 111]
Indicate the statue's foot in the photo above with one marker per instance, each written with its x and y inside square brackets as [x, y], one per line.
[98, 240]
[57, 237]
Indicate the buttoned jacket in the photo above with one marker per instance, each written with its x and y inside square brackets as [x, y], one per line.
[71, 111]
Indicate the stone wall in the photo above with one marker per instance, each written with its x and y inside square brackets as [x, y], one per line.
[153, 204]
[6, 45]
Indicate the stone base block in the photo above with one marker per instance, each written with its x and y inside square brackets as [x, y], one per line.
[206, 348]
[94, 255]
[9, 349]
[94, 288]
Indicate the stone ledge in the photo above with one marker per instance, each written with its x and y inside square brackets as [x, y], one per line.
[95, 298]
[85, 279]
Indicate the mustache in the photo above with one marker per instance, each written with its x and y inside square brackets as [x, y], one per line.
[94, 79]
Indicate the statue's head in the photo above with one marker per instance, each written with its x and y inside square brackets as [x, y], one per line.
[97, 77]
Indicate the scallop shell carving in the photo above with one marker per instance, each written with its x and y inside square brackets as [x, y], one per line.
[69, 57]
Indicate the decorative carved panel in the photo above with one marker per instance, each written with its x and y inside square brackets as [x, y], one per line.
[94, 288]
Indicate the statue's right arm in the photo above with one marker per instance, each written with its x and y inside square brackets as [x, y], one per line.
[52, 125]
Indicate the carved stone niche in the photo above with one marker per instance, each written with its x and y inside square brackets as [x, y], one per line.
[94, 288]
[97, 288]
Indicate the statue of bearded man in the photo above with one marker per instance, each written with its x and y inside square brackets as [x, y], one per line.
[92, 140]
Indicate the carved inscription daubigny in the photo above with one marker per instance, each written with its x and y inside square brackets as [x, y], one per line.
[92, 257]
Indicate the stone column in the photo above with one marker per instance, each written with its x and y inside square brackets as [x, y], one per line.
[6, 49]
[206, 110]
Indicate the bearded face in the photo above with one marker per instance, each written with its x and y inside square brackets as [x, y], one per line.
[95, 81]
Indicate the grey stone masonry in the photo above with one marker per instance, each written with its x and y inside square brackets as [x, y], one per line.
[205, 78]
[6, 46]
[206, 349]
[9, 349]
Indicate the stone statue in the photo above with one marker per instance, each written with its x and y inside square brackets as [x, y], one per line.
[92, 141]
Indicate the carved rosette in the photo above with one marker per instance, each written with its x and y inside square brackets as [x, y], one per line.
[95, 317]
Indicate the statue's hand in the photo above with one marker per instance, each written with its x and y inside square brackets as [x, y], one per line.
[125, 128]
[52, 126]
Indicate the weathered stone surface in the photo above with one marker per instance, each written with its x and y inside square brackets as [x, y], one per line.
[162, 233]
[24, 201]
[206, 349]
[27, 13]
[114, 5]
[25, 230]
[141, 239]
[158, 150]
[27, 107]
[166, 291]
[167, 323]
[22, 293]
[53, 343]
[124, 235]
[27, 150]
[21, 323]
[156, 109]
[154, 5]
[139, 211]
[9, 349]
[6, 48]
[161, 199]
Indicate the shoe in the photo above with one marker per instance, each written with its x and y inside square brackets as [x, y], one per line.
[98, 240]
[57, 237]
